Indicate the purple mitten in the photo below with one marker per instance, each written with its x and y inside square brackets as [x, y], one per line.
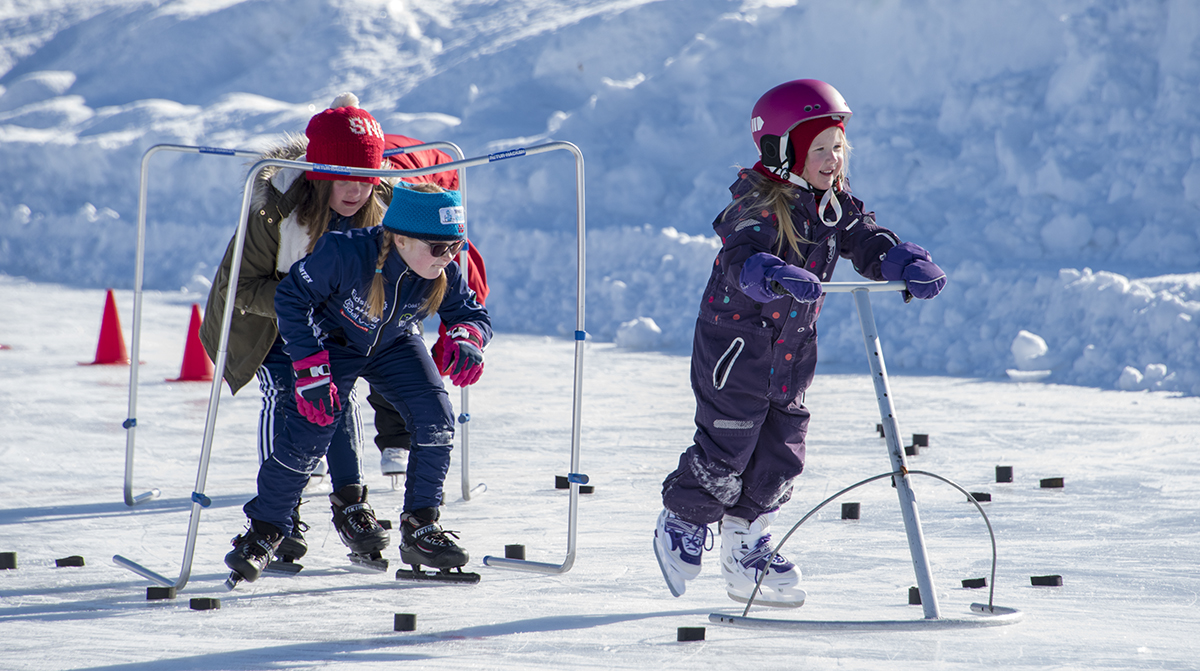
[765, 277]
[912, 264]
[755, 279]
[801, 284]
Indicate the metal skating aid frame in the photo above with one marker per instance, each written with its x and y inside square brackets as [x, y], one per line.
[992, 615]
[130, 423]
[199, 500]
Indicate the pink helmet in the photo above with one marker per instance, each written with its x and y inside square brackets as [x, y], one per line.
[783, 108]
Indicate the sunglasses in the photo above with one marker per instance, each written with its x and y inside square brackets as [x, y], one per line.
[440, 249]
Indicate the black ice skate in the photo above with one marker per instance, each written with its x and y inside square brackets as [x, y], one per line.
[293, 547]
[360, 531]
[424, 542]
[251, 552]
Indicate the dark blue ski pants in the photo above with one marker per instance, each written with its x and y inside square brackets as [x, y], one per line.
[404, 373]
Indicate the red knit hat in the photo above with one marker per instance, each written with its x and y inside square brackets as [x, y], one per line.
[801, 137]
[344, 135]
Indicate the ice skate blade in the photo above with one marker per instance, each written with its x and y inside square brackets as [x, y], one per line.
[283, 567]
[374, 562]
[233, 580]
[794, 600]
[449, 575]
[676, 590]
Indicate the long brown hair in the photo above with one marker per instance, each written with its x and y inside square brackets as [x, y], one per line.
[387, 241]
[312, 210]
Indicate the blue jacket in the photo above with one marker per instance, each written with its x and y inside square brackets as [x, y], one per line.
[323, 299]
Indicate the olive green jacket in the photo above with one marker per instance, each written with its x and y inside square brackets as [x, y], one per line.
[274, 241]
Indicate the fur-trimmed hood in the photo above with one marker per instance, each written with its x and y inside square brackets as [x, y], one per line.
[292, 148]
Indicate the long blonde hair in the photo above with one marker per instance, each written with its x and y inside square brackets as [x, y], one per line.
[387, 242]
[312, 210]
[775, 198]
[778, 198]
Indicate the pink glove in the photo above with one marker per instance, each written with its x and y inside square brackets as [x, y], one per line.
[462, 358]
[316, 395]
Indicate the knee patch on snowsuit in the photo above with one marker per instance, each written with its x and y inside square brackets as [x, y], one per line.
[432, 435]
[722, 482]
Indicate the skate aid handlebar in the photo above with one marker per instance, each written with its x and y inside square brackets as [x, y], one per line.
[848, 287]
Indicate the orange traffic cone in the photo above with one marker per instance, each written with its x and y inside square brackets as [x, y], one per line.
[111, 349]
[197, 367]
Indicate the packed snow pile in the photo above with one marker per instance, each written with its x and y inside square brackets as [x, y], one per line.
[1022, 143]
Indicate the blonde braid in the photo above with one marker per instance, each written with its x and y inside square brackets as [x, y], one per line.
[375, 296]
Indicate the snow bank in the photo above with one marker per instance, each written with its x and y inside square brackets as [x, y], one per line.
[1011, 140]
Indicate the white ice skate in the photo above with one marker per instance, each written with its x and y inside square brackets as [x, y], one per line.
[745, 548]
[679, 546]
[393, 461]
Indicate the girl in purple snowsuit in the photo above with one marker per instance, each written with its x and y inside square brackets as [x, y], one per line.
[755, 347]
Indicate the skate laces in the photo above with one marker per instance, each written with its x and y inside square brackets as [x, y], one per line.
[361, 517]
[256, 544]
[432, 534]
[757, 558]
[692, 539]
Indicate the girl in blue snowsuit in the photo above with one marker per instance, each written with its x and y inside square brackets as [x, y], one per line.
[755, 344]
[350, 310]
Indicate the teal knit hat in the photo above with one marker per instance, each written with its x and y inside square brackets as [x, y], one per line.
[427, 216]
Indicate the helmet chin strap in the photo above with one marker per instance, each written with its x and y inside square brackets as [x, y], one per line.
[827, 200]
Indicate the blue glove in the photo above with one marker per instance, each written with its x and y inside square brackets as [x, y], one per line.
[765, 277]
[912, 264]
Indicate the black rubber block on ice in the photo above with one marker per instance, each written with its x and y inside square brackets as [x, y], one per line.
[159, 593]
[914, 596]
[850, 511]
[690, 634]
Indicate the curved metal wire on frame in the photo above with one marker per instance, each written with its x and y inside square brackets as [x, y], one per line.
[782, 541]
[899, 475]
[199, 500]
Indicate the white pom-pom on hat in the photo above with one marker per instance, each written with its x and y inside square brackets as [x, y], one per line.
[346, 99]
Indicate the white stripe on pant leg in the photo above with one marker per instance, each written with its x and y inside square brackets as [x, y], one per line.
[266, 416]
[352, 421]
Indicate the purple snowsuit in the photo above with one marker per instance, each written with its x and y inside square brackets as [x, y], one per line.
[752, 360]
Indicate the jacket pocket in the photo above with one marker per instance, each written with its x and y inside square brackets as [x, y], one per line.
[725, 363]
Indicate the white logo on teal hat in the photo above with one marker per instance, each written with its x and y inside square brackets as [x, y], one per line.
[453, 215]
